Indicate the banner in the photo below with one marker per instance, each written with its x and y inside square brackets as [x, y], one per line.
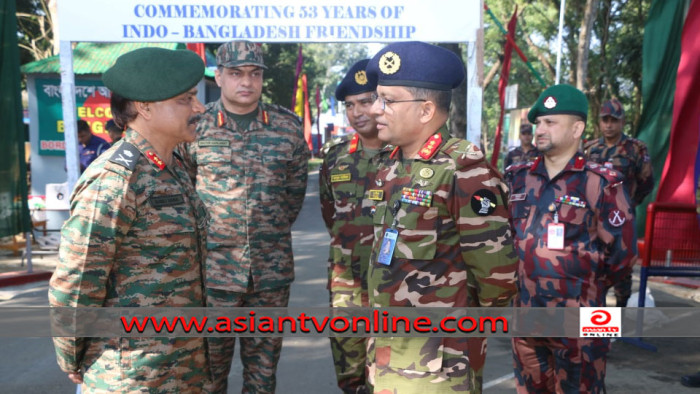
[92, 101]
[271, 21]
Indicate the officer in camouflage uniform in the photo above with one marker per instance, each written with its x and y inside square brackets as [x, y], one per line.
[525, 152]
[250, 165]
[346, 176]
[441, 228]
[136, 236]
[574, 230]
[629, 157]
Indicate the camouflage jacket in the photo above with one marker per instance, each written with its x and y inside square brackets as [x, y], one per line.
[599, 241]
[518, 155]
[135, 238]
[345, 178]
[453, 249]
[253, 182]
[630, 157]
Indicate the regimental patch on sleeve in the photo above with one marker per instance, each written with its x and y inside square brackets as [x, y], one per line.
[126, 156]
[159, 202]
[483, 202]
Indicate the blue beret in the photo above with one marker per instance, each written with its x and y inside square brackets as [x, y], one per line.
[355, 81]
[560, 100]
[416, 64]
[154, 74]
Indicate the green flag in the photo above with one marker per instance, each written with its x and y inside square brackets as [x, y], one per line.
[14, 213]
[660, 56]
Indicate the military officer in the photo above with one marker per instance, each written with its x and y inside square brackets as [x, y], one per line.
[526, 151]
[136, 235]
[574, 231]
[629, 157]
[441, 223]
[250, 165]
[346, 176]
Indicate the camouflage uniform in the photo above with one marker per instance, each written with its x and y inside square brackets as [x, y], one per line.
[253, 183]
[135, 238]
[518, 155]
[599, 250]
[455, 250]
[346, 176]
[629, 157]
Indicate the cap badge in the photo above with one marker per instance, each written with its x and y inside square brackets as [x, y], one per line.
[389, 63]
[361, 77]
[550, 102]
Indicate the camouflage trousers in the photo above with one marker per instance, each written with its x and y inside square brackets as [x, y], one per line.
[349, 353]
[623, 291]
[561, 365]
[259, 356]
[457, 372]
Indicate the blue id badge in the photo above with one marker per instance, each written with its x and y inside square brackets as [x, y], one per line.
[388, 245]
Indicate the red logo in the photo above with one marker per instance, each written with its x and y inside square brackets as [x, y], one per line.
[600, 317]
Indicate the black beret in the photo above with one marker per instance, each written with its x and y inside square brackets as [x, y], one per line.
[416, 64]
[560, 100]
[355, 81]
[154, 74]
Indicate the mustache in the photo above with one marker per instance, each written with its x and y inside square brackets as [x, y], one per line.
[194, 119]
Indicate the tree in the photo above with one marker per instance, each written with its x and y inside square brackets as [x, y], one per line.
[37, 23]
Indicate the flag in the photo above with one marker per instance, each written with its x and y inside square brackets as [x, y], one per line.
[299, 98]
[297, 81]
[318, 109]
[502, 83]
[660, 57]
[307, 114]
[14, 211]
[677, 182]
[198, 48]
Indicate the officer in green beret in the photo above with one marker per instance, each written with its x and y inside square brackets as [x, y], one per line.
[441, 233]
[574, 231]
[250, 165]
[136, 234]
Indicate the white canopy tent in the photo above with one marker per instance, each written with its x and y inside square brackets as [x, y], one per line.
[216, 21]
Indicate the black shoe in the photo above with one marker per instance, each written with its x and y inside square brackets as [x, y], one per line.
[691, 380]
[621, 303]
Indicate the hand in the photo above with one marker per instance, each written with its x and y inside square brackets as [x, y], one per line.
[75, 377]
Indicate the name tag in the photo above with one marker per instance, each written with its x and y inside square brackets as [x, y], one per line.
[555, 236]
[341, 177]
[376, 195]
[518, 197]
[158, 202]
[388, 245]
[213, 143]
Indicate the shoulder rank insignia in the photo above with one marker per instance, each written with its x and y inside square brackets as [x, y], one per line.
[430, 146]
[127, 155]
[155, 159]
[580, 161]
[266, 118]
[353, 143]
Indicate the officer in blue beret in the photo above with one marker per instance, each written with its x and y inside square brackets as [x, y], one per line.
[134, 237]
[441, 233]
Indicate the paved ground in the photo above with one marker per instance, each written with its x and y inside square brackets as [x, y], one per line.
[28, 364]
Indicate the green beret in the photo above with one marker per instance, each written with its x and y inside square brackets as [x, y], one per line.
[154, 74]
[560, 100]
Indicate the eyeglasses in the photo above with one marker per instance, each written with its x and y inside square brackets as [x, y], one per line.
[384, 101]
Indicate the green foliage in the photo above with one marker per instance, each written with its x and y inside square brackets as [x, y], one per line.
[615, 57]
